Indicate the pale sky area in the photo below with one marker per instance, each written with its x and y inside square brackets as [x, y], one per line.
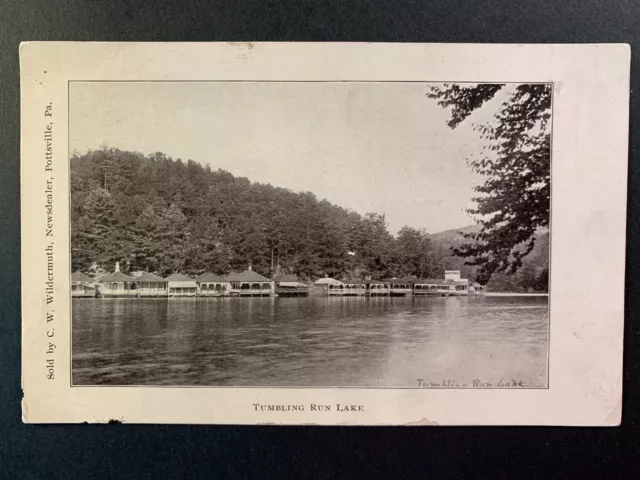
[370, 147]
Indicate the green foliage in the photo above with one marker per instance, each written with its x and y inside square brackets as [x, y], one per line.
[513, 203]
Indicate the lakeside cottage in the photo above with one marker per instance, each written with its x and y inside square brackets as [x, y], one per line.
[151, 285]
[212, 285]
[354, 287]
[82, 285]
[117, 284]
[376, 288]
[461, 285]
[399, 287]
[180, 285]
[451, 285]
[290, 286]
[431, 286]
[327, 286]
[249, 284]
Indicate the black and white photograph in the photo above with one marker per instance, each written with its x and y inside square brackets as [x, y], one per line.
[354, 234]
[331, 233]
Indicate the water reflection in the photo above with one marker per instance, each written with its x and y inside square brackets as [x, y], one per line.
[318, 341]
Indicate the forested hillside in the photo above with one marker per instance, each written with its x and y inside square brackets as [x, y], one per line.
[162, 215]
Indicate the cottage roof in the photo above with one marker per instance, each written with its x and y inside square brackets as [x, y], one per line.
[117, 277]
[286, 278]
[247, 276]
[399, 281]
[210, 278]
[328, 281]
[149, 277]
[409, 278]
[376, 282]
[79, 276]
[352, 281]
[178, 277]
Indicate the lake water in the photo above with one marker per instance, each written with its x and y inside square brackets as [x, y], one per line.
[316, 341]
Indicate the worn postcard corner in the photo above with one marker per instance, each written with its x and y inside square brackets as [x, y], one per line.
[323, 234]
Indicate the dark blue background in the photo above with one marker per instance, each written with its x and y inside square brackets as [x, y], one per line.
[131, 451]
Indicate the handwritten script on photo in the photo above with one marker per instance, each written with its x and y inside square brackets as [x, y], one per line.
[476, 383]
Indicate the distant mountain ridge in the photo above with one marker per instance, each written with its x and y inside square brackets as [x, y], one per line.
[532, 277]
[453, 232]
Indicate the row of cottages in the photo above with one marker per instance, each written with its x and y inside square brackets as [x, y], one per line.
[451, 285]
[377, 288]
[400, 287]
[352, 287]
[249, 284]
[433, 286]
[148, 285]
[118, 284]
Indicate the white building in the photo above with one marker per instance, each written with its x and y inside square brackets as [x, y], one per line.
[180, 285]
[461, 285]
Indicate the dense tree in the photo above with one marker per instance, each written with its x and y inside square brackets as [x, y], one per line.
[513, 203]
[531, 277]
[96, 229]
[165, 216]
[146, 246]
[414, 252]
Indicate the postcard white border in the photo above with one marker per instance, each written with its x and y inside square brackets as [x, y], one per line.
[589, 177]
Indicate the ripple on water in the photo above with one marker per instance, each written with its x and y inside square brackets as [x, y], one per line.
[310, 342]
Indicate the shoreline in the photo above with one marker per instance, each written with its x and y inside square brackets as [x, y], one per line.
[509, 294]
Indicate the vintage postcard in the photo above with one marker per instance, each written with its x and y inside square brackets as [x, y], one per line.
[328, 234]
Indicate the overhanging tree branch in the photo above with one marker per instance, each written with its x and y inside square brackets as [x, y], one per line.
[513, 202]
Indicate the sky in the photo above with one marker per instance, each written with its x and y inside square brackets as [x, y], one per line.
[369, 147]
